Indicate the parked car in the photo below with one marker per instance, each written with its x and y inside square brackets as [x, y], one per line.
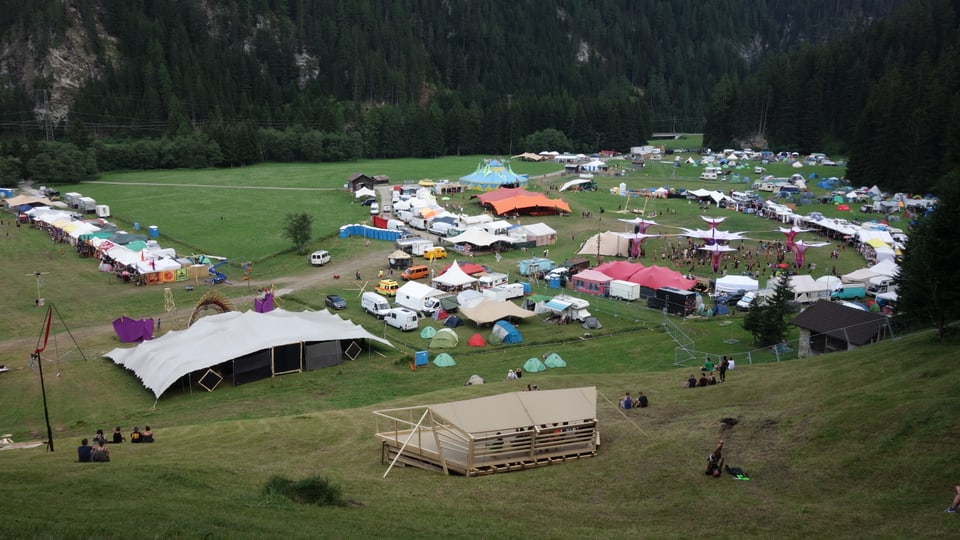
[374, 209]
[367, 202]
[729, 298]
[319, 257]
[335, 301]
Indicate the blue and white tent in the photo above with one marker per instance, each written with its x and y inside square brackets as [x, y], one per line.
[492, 174]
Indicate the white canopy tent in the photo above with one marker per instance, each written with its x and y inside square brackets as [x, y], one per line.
[487, 311]
[454, 278]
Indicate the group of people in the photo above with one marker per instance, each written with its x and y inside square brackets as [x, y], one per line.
[100, 452]
[629, 402]
[513, 375]
[710, 374]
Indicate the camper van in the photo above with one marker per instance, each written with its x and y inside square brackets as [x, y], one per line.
[881, 284]
[402, 319]
[374, 304]
[319, 257]
[711, 173]
[87, 204]
[492, 279]
[414, 246]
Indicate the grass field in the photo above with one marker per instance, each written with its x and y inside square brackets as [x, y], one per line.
[859, 444]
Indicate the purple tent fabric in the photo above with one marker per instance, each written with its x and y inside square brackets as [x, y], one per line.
[263, 305]
[133, 330]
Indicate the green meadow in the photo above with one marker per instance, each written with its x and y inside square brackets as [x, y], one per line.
[856, 445]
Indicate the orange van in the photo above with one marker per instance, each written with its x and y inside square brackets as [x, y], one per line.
[416, 271]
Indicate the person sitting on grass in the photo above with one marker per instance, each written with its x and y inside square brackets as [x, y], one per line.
[642, 400]
[84, 451]
[100, 454]
[704, 381]
[147, 434]
[626, 402]
[707, 365]
[692, 382]
[136, 436]
[117, 435]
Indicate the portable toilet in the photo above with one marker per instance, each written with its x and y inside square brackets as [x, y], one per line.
[136, 225]
[555, 282]
[153, 231]
[421, 358]
[103, 210]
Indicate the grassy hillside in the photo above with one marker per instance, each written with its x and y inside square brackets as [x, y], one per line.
[835, 445]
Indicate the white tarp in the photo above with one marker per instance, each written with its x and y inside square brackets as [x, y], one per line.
[220, 338]
[478, 237]
[736, 283]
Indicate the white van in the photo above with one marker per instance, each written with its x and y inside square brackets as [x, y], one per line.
[319, 257]
[374, 304]
[374, 209]
[402, 319]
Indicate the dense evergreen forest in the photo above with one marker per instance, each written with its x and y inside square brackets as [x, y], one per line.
[887, 96]
[192, 83]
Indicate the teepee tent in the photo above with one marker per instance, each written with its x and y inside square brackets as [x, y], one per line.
[534, 365]
[444, 360]
[554, 361]
[445, 339]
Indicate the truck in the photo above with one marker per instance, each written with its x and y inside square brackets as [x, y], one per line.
[440, 228]
[402, 319]
[374, 304]
[414, 245]
[418, 222]
[504, 292]
[624, 290]
[419, 297]
[849, 291]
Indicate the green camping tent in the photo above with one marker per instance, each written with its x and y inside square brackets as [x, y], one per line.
[428, 332]
[445, 339]
[554, 361]
[444, 360]
[534, 365]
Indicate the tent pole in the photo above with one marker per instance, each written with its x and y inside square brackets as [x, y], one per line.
[404, 445]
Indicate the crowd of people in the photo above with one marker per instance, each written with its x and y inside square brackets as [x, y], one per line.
[710, 373]
[99, 451]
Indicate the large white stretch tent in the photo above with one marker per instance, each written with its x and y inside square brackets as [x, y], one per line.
[216, 339]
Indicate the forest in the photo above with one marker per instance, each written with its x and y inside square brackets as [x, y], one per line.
[231, 82]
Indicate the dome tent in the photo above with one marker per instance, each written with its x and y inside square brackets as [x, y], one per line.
[506, 332]
[428, 332]
[444, 360]
[554, 361]
[476, 340]
[445, 339]
[534, 365]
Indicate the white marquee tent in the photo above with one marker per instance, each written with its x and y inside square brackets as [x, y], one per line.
[216, 339]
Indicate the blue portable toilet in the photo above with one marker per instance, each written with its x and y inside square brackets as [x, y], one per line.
[554, 282]
[421, 358]
[527, 290]
[136, 225]
[153, 231]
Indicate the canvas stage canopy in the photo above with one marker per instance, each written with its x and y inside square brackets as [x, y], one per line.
[504, 432]
[269, 343]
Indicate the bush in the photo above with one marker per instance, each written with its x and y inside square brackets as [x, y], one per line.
[313, 490]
